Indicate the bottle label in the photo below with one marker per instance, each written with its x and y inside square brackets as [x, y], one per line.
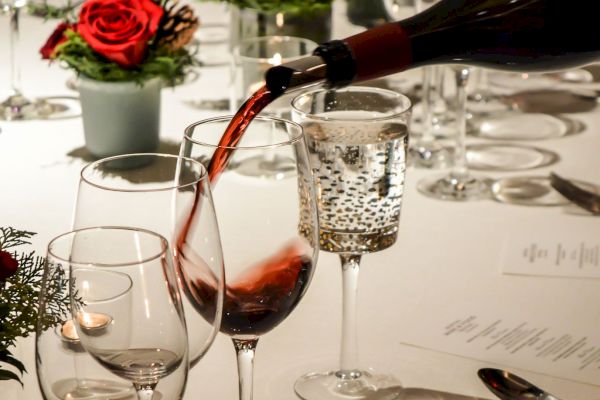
[380, 51]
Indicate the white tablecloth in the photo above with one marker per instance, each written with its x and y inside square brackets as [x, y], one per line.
[445, 249]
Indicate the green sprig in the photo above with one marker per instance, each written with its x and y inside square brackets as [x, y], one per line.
[20, 298]
[172, 66]
[292, 6]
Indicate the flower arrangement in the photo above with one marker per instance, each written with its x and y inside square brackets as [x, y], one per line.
[292, 6]
[126, 40]
[21, 281]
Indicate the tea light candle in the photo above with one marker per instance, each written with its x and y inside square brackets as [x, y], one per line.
[89, 322]
[93, 322]
[69, 332]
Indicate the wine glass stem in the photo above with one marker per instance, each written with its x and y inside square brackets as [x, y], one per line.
[15, 66]
[145, 391]
[245, 349]
[349, 345]
[460, 152]
[427, 105]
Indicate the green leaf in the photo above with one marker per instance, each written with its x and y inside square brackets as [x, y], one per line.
[6, 357]
[11, 237]
[9, 375]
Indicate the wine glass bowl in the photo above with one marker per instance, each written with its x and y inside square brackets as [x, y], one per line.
[357, 141]
[136, 333]
[269, 236]
[158, 192]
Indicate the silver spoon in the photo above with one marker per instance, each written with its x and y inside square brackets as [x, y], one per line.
[509, 386]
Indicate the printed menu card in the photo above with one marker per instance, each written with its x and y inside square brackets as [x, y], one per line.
[536, 307]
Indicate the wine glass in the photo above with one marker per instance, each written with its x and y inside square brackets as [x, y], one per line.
[157, 192]
[57, 344]
[17, 106]
[269, 236]
[357, 140]
[425, 150]
[459, 184]
[125, 302]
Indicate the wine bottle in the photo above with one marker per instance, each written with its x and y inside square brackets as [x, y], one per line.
[518, 35]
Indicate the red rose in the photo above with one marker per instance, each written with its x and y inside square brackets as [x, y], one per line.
[8, 265]
[57, 37]
[119, 29]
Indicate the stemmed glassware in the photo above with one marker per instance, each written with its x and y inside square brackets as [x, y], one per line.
[425, 150]
[157, 192]
[269, 236]
[149, 191]
[125, 302]
[17, 106]
[357, 140]
[459, 184]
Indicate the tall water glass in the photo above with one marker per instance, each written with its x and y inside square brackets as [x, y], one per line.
[357, 141]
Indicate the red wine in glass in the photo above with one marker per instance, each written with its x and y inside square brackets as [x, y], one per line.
[259, 298]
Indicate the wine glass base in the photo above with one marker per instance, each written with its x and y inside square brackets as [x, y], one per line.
[92, 389]
[508, 157]
[455, 188]
[429, 156]
[532, 191]
[363, 385]
[19, 108]
[276, 168]
[512, 125]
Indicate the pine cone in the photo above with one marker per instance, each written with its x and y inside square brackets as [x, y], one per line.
[178, 26]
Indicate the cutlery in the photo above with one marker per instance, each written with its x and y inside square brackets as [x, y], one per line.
[581, 197]
[508, 386]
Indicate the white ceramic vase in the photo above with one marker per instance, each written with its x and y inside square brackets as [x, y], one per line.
[120, 117]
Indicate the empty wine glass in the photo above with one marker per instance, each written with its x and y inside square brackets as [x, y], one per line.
[269, 235]
[425, 149]
[157, 192]
[17, 106]
[125, 302]
[57, 344]
[357, 140]
[459, 184]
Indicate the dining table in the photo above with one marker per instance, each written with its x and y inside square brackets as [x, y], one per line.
[449, 259]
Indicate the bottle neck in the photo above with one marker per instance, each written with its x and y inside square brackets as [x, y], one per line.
[368, 55]
[332, 64]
